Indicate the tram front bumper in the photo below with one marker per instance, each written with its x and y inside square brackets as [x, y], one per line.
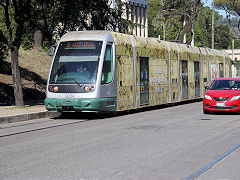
[81, 105]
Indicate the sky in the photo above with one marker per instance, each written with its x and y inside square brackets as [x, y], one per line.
[209, 3]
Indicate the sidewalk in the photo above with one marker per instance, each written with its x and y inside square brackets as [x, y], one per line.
[10, 114]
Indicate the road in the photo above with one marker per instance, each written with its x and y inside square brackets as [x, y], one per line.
[171, 143]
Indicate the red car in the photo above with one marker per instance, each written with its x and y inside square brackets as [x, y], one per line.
[222, 95]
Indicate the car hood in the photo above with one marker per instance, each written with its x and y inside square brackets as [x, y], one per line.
[223, 93]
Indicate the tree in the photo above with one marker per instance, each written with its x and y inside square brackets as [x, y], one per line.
[49, 19]
[168, 16]
[3, 55]
[232, 8]
[57, 17]
[222, 36]
[172, 14]
[203, 26]
[16, 16]
[153, 9]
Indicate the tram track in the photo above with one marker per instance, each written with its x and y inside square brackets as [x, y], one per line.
[40, 129]
[145, 145]
[44, 124]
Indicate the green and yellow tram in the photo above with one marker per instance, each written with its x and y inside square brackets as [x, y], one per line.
[96, 71]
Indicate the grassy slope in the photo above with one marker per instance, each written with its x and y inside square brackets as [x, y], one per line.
[34, 67]
[31, 61]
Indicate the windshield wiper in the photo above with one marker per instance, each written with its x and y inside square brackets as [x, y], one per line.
[71, 79]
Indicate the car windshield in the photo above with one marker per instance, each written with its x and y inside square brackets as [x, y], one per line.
[76, 62]
[225, 85]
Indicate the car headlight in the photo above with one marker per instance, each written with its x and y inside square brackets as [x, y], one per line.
[235, 98]
[207, 97]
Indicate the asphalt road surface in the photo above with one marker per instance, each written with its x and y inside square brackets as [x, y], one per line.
[171, 143]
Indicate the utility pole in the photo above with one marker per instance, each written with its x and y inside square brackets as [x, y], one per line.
[234, 71]
[212, 24]
[164, 31]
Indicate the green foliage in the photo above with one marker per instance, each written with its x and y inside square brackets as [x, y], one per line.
[46, 46]
[55, 18]
[232, 9]
[27, 41]
[4, 66]
[171, 14]
[3, 51]
[3, 48]
[22, 22]
[222, 36]
[230, 6]
[203, 27]
[168, 16]
[236, 44]
[3, 26]
[153, 9]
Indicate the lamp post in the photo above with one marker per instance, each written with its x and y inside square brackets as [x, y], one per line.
[213, 24]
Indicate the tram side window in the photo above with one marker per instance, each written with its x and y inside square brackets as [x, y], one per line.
[107, 71]
[221, 73]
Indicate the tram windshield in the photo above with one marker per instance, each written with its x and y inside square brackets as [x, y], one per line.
[76, 62]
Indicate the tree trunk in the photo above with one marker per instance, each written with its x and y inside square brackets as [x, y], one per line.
[38, 35]
[17, 84]
[38, 38]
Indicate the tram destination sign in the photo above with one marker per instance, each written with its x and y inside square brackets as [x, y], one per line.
[80, 45]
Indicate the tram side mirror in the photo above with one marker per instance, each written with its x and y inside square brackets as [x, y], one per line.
[206, 88]
[52, 50]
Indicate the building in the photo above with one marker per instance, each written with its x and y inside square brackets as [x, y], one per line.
[136, 12]
[235, 56]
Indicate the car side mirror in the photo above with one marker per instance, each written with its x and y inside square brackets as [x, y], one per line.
[52, 50]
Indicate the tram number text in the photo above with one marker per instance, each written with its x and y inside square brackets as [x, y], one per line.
[68, 96]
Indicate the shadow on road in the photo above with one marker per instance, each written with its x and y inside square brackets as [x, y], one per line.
[105, 115]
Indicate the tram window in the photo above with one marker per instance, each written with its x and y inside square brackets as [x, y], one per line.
[107, 71]
[221, 73]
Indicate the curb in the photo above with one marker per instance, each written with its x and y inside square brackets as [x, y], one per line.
[29, 116]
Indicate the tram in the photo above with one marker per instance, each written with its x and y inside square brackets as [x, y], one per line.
[102, 71]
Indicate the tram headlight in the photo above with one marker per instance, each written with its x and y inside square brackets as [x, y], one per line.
[86, 88]
[55, 88]
[89, 88]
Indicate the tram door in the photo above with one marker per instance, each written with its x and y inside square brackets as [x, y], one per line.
[144, 80]
[197, 79]
[184, 79]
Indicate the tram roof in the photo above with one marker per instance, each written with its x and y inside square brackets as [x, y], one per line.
[87, 35]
